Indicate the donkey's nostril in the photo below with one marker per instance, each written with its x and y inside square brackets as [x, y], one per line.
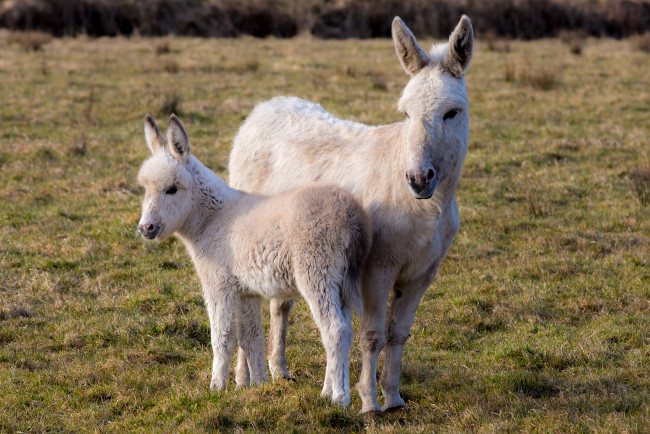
[430, 174]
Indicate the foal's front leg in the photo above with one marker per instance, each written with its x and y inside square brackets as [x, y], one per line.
[222, 305]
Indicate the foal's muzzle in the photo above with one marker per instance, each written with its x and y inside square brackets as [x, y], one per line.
[149, 231]
[422, 182]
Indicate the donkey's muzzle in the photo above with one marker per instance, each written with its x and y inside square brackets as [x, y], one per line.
[149, 231]
[422, 182]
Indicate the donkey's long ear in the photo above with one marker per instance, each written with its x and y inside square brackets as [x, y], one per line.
[412, 57]
[179, 141]
[152, 135]
[461, 47]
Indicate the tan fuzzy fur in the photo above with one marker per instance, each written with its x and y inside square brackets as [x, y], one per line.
[311, 241]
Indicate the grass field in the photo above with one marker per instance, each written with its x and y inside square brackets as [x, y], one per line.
[539, 319]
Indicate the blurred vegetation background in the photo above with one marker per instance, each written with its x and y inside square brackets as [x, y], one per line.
[526, 19]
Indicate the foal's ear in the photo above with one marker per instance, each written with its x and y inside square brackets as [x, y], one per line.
[179, 141]
[152, 135]
[461, 47]
[412, 57]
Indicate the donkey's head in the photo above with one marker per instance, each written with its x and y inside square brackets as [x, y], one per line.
[167, 181]
[435, 103]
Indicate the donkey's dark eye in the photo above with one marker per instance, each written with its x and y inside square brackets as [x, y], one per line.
[406, 114]
[171, 190]
[450, 115]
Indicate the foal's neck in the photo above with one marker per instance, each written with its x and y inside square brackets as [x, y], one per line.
[212, 195]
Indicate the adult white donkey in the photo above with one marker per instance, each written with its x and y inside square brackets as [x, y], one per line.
[404, 174]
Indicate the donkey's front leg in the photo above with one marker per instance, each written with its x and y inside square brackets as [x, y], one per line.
[404, 303]
[222, 305]
[376, 285]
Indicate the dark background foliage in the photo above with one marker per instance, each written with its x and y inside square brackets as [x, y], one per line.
[325, 18]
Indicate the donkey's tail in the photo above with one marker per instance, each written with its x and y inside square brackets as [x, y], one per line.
[356, 255]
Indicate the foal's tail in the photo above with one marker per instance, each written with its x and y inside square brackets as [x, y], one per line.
[356, 255]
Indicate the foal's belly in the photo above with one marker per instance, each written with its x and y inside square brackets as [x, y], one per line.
[267, 272]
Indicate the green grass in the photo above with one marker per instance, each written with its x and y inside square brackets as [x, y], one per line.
[539, 319]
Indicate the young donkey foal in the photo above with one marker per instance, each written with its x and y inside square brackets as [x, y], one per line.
[310, 241]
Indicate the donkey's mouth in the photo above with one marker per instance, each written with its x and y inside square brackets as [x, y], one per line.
[150, 232]
[424, 190]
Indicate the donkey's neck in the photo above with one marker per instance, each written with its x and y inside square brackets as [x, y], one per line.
[212, 195]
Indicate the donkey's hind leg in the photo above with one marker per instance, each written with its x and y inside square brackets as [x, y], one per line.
[242, 375]
[251, 366]
[280, 310]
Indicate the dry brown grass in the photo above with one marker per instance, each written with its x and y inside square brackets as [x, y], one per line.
[171, 103]
[162, 47]
[171, 66]
[641, 180]
[575, 47]
[30, 40]
[539, 77]
[642, 42]
[497, 44]
[510, 71]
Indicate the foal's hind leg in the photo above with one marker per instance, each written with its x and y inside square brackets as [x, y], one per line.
[336, 335]
[329, 370]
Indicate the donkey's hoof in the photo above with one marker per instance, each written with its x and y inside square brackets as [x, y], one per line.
[396, 409]
[287, 378]
[371, 413]
[371, 410]
[278, 371]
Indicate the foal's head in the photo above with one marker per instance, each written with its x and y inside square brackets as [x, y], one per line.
[168, 183]
[435, 103]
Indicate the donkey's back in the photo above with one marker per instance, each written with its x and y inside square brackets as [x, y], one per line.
[287, 141]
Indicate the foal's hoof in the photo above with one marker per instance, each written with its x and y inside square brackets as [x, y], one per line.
[341, 401]
[217, 385]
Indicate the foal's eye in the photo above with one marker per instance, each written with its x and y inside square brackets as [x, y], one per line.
[450, 115]
[171, 190]
[407, 115]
